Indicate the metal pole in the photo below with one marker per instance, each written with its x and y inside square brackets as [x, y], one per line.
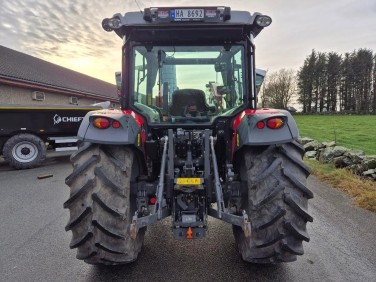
[217, 183]
[158, 206]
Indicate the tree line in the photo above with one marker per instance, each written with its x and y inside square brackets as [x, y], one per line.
[327, 82]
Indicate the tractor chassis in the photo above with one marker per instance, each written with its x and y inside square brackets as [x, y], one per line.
[143, 217]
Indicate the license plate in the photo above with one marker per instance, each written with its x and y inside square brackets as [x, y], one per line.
[189, 14]
[188, 181]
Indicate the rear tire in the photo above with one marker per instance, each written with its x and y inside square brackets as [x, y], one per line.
[24, 151]
[101, 206]
[277, 203]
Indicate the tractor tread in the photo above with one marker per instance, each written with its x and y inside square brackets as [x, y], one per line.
[78, 170]
[295, 248]
[273, 219]
[82, 149]
[297, 161]
[108, 231]
[101, 209]
[291, 200]
[109, 249]
[299, 232]
[80, 241]
[308, 193]
[77, 219]
[266, 173]
[107, 207]
[277, 203]
[269, 196]
[87, 186]
[108, 182]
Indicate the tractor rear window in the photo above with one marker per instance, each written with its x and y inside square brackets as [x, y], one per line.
[187, 84]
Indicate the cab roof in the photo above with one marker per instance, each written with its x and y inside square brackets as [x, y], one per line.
[173, 24]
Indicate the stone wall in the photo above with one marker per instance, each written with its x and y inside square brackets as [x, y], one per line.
[341, 157]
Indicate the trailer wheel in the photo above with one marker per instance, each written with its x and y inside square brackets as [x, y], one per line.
[24, 151]
[101, 205]
[277, 203]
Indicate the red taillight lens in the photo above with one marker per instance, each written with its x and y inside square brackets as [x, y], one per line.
[152, 200]
[101, 123]
[274, 123]
[260, 125]
[115, 124]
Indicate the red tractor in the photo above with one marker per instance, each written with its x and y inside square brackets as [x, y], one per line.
[188, 143]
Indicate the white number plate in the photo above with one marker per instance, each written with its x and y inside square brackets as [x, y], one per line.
[189, 13]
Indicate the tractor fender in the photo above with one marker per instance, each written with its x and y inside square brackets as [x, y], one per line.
[130, 132]
[247, 133]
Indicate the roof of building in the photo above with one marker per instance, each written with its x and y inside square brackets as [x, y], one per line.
[20, 67]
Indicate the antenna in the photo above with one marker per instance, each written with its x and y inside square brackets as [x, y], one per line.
[139, 7]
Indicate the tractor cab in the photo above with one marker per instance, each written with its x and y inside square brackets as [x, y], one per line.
[174, 79]
[187, 65]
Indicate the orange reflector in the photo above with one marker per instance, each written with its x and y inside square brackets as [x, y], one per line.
[189, 233]
[275, 123]
[101, 123]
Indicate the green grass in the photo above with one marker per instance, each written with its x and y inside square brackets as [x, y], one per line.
[355, 132]
[350, 131]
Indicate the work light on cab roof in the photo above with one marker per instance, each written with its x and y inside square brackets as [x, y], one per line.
[165, 15]
[263, 20]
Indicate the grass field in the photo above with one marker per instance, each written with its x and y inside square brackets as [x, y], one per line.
[355, 132]
[350, 131]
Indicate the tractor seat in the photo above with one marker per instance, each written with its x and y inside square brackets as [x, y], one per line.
[184, 98]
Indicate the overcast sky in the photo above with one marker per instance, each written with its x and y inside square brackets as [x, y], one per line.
[69, 33]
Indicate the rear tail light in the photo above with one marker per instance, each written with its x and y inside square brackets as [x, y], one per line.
[275, 123]
[272, 123]
[260, 125]
[152, 200]
[115, 124]
[101, 122]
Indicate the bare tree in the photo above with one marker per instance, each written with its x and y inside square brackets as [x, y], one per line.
[278, 89]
